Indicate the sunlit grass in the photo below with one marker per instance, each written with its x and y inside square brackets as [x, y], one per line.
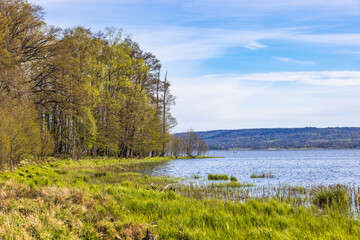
[108, 198]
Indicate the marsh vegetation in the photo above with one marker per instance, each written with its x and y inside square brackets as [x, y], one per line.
[109, 198]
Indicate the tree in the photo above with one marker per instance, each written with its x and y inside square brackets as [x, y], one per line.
[167, 120]
[177, 146]
[202, 148]
[81, 92]
[193, 144]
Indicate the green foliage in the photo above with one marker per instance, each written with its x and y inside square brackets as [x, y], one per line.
[218, 177]
[77, 93]
[196, 176]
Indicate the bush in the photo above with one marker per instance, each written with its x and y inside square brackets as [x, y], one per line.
[196, 176]
[218, 177]
[233, 179]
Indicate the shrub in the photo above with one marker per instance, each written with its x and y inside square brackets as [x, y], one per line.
[196, 176]
[218, 177]
[233, 179]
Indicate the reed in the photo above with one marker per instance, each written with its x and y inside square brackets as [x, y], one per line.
[218, 177]
[268, 174]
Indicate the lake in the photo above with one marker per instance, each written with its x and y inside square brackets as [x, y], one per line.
[300, 167]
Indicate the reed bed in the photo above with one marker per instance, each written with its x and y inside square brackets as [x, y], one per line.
[296, 195]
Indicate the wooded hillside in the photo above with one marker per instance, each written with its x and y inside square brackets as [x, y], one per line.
[282, 138]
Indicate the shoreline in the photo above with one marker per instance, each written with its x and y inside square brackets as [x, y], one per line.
[108, 198]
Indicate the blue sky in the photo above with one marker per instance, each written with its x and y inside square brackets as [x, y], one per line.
[245, 63]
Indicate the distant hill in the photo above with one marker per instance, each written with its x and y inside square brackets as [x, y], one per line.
[283, 138]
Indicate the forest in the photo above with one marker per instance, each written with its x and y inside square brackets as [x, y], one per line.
[75, 92]
[283, 138]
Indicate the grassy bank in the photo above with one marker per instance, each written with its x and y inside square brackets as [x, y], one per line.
[110, 199]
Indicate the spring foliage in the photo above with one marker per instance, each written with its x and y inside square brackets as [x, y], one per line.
[75, 92]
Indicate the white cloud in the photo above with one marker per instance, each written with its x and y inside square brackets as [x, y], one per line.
[321, 78]
[291, 60]
[182, 43]
[254, 45]
[319, 99]
[251, 7]
[190, 43]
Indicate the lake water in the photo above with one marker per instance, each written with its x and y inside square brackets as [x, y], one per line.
[300, 167]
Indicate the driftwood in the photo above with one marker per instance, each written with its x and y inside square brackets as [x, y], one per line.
[167, 187]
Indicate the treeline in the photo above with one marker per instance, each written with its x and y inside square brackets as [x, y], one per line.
[188, 144]
[77, 92]
[283, 138]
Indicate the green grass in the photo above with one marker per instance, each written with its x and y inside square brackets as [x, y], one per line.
[75, 200]
[218, 177]
[232, 184]
[333, 197]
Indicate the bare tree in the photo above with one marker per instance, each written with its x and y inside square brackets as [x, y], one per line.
[177, 146]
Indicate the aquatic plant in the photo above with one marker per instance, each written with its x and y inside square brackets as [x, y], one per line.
[255, 175]
[268, 174]
[331, 197]
[218, 177]
[233, 179]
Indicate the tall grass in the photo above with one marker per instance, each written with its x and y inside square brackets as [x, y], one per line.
[75, 200]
